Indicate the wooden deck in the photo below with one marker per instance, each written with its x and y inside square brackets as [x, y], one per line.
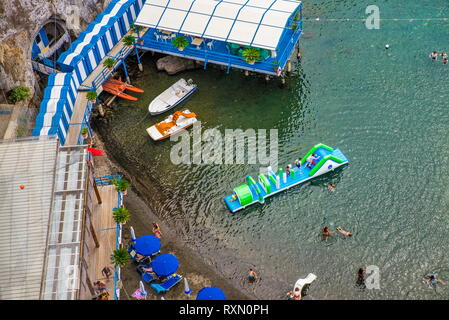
[105, 228]
[81, 99]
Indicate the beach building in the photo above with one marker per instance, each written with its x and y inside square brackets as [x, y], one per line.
[65, 110]
[254, 35]
[57, 230]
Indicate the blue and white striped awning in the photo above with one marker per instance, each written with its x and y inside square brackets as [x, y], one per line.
[122, 9]
[258, 23]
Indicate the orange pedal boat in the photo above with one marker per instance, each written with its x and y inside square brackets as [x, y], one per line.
[117, 87]
[127, 86]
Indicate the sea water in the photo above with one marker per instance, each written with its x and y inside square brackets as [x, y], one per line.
[387, 110]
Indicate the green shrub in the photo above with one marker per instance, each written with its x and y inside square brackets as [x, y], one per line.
[120, 184]
[180, 42]
[19, 94]
[121, 215]
[120, 257]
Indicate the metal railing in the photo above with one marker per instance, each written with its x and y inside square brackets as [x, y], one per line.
[207, 55]
[106, 180]
[212, 56]
[105, 73]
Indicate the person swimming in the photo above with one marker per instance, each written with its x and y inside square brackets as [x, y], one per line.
[434, 55]
[445, 60]
[326, 233]
[331, 187]
[343, 232]
[443, 55]
[432, 280]
[295, 295]
[251, 275]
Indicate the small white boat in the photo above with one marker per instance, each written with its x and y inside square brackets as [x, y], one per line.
[171, 97]
[180, 120]
[303, 284]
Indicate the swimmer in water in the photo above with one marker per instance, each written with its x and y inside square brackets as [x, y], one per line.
[326, 232]
[331, 187]
[443, 55]
[445, 60]
[432, 280]
[343, 232]
[434, 55]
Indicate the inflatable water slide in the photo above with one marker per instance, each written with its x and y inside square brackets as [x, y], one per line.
[326, 159]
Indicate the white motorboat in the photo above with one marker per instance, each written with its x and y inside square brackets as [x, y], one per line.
[173, 96]
[180, 120]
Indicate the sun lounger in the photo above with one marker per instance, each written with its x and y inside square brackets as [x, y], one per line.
[167, 284]
[140, 270]
[149, 277]
[133, 255]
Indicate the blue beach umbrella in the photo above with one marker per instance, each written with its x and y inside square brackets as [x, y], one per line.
[147, 245]
[165, 264]
[211, 293]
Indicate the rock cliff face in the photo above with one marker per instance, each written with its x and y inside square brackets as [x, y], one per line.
[20, 21]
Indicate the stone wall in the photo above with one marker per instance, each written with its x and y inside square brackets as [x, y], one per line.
[20, 21]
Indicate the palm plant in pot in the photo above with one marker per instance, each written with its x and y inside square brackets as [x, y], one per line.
[129, 41]
[121, 215]
[120, 257]
[251, 55]
[180, 42]
[109, 63]
[91, 96]
[121, 185]
[84, 133]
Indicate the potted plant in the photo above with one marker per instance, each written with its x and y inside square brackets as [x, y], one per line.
[91, 96]
[120, 257]
[84, 133]
[121, 215]
[180, 42]
[129, 41]
[251, 55]
[109, 63]
[121, 185]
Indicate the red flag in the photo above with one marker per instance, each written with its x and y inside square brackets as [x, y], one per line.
[95, 152]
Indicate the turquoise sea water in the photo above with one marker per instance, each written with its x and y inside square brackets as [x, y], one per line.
[387, 110]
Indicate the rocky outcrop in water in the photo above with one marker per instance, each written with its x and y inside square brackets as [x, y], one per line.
[20, 22]
[173, 65]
